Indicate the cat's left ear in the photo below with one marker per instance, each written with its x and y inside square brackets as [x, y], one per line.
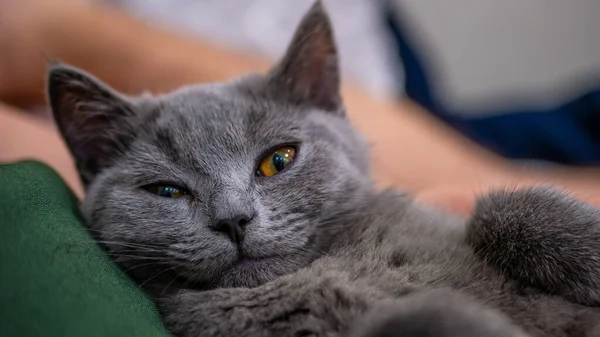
[92, 118]
[309, 72]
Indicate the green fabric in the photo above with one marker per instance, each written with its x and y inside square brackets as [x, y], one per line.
[55, 281]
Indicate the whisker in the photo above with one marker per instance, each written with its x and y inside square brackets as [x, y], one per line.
[132, 246]
[155, 276]
[167, 286]
[126, 256]
[186, 283]
[143, 265]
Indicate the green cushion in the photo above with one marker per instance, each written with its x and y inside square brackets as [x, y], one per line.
[55, 281]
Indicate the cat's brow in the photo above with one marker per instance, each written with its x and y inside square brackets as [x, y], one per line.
[153, 175]
[166, 144]
[154, 165]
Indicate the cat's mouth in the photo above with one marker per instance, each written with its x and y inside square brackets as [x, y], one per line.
[244, 260]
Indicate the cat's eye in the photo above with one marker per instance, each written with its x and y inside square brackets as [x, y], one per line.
[167, 191]
[276, 161]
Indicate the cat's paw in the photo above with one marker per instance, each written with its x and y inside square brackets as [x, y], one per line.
[266, 311]
[435, 313]
[302, 304]
[541, 237]
[212, 313]
[183, 314]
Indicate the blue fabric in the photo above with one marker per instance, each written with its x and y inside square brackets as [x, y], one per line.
[566, 134]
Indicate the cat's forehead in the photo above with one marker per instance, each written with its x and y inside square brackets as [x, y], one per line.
[223, 108]
[203, 122]
[208, 106]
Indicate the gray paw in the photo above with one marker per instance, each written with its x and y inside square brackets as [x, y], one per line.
[210, 313]
[541, 237]
[435, 313]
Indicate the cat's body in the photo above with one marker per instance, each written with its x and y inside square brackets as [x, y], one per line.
[246, 208]
[395, 249]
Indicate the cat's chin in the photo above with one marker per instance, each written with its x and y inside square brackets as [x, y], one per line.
[248, 262]
[252, 272]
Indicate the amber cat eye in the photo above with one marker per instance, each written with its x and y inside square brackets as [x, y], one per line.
[276, 161]
[167, 191]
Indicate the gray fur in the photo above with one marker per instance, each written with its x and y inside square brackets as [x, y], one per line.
[324, 253]
[541, 237]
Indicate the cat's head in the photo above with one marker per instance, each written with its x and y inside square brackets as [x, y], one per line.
[227, 184]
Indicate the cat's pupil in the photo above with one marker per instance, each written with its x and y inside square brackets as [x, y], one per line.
[168, 191]
[278, 162]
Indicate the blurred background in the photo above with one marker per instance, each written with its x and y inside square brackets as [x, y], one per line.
[448, 92]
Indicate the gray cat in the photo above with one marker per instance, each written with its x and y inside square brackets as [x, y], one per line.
[246, 209]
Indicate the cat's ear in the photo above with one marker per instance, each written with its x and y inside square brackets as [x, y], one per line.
[90, 116]
[309, 72]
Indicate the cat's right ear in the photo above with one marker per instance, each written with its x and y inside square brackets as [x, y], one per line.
[91, 117]
[309, 72]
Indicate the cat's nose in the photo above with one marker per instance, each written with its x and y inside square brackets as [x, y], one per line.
[233, 227]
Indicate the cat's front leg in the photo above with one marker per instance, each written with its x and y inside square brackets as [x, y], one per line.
[295, 306]
[435, 313]
[541, 237]
[220, 312]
